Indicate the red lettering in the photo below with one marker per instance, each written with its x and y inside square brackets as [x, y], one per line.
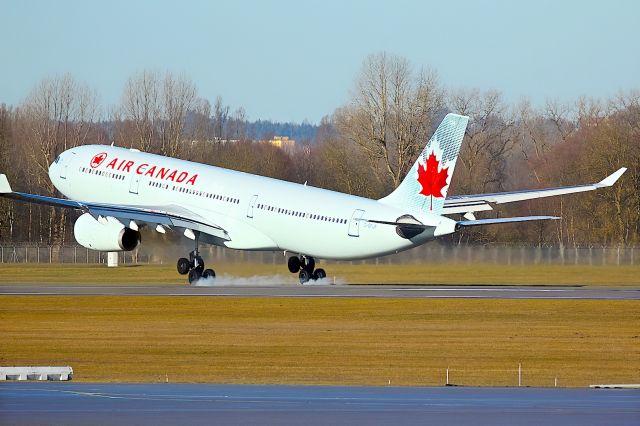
[140, 167]
[182, 177]
[172, 176]
[112, 163]
[192, 180]
[150, 171]
[127, 167]
[121, 164]
[162, 173]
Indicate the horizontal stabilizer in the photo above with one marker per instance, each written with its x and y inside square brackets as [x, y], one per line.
[481, 202]
[479, 222]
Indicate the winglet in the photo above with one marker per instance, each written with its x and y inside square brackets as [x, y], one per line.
[5, 188]
[612, 178]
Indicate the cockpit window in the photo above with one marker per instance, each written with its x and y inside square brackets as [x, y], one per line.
[57, 159]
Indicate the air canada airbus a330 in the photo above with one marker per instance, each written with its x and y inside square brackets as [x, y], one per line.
[121, 190]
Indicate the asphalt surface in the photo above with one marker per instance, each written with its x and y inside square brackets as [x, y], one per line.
[372, 291]
[186, 404]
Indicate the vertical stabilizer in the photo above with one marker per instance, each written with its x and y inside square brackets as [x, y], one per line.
[425, 186]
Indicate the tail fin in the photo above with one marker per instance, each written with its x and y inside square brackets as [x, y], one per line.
[425, 186]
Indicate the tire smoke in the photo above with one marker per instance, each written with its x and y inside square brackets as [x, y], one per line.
[263, 281]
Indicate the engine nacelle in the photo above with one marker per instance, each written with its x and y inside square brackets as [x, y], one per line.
[106, 234]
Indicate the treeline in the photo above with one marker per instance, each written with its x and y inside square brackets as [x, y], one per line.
[266, 129]
[364, 147]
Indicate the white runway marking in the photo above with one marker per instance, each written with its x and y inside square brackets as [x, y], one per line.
[330, 291]
[483, 289]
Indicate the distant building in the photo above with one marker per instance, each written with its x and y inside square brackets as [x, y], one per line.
[283, 142]
[215, 140]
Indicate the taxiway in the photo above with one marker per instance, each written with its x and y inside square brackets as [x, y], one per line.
[185, 404]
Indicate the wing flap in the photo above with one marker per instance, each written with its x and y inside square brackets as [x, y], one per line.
[186, 220]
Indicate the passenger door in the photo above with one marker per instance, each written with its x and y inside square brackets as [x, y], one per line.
[135, 183]
[252, 203]
[354, 224]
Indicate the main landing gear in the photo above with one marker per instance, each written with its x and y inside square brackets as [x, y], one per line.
[304, 266]
[194, 266]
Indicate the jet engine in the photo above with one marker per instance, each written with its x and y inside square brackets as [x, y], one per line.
[105, 234]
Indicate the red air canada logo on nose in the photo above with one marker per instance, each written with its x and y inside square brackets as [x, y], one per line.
[432, 180]
[98, 159]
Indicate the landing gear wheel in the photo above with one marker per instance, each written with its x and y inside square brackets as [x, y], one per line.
[304, 276]
[309, 264]
[319, 274]
[294, 264]
[183, 266]
[208, 274]
[194, 275]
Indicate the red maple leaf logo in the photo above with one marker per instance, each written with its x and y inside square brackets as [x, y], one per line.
[98, 159]
[432, 180]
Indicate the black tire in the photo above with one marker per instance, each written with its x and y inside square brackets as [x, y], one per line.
[320, 274]
[293, 264]
[304, 276]
[183, 266]
[194, 275]
[309, 264]
[208, 274]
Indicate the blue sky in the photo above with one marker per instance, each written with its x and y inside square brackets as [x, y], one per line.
[296, 60]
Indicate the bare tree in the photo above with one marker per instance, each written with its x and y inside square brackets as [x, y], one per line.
[590, 111]
[239, 124]
[201, 125]
[141, 106]
[57, 115]
[7, 160]
[489, 140]
[559, 115]
[158, 106]
[220, 117]
[391, 114]
[179, 95]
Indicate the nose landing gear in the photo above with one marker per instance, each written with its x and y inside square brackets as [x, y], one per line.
[194, 266]
[305, 267]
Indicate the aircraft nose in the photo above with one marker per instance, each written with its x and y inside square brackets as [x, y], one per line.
[54, 171]
[52, 166]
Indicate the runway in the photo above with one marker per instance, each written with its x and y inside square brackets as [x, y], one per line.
[168, 404]
[336, 291]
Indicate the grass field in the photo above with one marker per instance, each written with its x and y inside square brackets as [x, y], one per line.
[618, 276]
[325, 341]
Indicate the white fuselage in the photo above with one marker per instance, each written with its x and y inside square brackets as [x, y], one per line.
[259, 213]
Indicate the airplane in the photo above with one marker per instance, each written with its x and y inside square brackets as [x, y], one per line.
[120, 191]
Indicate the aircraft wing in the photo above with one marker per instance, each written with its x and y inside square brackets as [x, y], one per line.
[467, 204]
[170, 216]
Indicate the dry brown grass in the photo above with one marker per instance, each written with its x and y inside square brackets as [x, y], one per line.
[325, 341]
[617, 276]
